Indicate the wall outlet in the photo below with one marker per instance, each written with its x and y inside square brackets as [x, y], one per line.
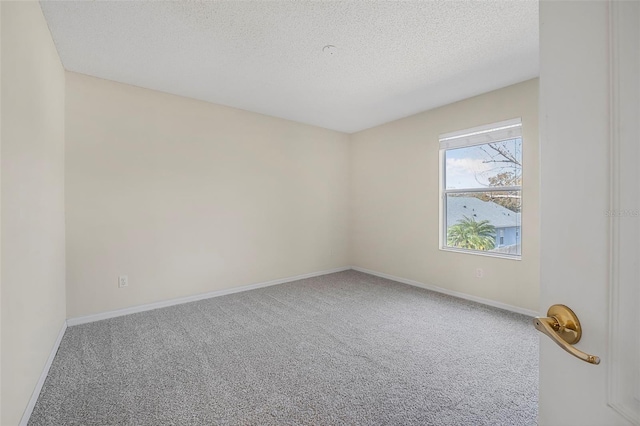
[479, 273]
[123, 281]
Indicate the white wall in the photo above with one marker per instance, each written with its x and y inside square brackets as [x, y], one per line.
[187, 197]
[394, 225]
[32, 213]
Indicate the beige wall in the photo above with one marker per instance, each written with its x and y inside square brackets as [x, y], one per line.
[32, 218]
[187, 197]
[394, 225]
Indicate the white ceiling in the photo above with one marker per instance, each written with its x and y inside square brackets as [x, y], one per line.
[394, 59]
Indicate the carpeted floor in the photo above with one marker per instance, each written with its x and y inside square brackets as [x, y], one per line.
[346, 348]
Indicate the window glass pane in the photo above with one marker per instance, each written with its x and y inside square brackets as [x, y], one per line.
[485, 221]
[482, 166]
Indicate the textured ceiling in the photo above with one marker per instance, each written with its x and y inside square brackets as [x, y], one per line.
[393, 59]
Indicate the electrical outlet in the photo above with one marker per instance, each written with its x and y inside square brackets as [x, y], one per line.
[123, 281]
[479, 273]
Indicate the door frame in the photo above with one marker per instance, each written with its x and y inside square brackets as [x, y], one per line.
[619, 315]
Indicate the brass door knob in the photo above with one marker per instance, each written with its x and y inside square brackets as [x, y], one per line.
[562, 325]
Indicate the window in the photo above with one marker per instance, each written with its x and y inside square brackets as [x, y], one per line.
[481, 188]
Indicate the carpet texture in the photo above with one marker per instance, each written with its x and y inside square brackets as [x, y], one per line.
[346, 348]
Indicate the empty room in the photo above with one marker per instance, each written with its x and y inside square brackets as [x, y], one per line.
[319, 212]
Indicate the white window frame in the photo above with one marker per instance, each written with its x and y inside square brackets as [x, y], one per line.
[481, 135]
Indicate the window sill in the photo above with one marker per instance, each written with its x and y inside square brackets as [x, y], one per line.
[482, 253]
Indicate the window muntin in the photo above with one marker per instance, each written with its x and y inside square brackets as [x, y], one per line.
[481, 172]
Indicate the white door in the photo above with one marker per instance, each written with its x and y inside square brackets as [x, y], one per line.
[589, 115]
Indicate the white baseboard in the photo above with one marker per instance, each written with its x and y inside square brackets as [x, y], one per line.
[187, 299]
[449, 292]
[45, 372]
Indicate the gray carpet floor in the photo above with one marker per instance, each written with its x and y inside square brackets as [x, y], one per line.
[346, 348]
